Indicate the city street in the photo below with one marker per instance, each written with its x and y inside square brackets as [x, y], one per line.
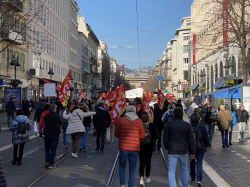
[229, 167]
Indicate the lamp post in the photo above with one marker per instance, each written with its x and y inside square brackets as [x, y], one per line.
[188, 79]
[179, 83]
[51, 73]
[15, 63]
[202, 75]
[227, 66]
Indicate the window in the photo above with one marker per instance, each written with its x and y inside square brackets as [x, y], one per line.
[216, 71]
[185, 61]
[186, 37]
[185, 75]
[189, 23]
[36, 61]
[185, 48]
[3, 58]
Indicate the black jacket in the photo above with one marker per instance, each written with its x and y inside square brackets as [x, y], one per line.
[87, 120]
[238, 115]
[2, 175]
[10, 107]
[179, 105]
[204, 134]
[26, 107]
[154, 136]
[38, 113]
[102, 119]
[157, 118]
[178, 137]
[52, 124]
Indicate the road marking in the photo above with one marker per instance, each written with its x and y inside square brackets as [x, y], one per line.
[10, 145]
[215, 177]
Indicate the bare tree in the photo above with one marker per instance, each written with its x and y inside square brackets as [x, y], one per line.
[106, 73]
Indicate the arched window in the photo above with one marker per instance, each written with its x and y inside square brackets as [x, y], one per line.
[216, 72]
[221, 69]
[212, 76]
[233, 70]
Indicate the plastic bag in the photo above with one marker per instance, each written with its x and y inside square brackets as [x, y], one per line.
[35, 128]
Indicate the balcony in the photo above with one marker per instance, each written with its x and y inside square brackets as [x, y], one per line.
[15, 4]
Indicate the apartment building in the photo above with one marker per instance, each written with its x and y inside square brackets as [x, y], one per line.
[180, 55]
[113, 70]
[14, 19]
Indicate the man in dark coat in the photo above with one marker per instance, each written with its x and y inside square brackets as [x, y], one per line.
[101, 122]
[158, 122]
[10, 109]
[38, 114]
[26, 107]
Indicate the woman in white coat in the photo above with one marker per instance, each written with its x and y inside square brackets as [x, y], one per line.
[75, 124]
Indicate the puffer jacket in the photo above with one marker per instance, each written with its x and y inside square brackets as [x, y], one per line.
[75, 123]
[179, 138]
[129, 131]
[233, 122]
[16, 137]
[2, 175]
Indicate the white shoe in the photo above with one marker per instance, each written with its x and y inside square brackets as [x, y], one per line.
[142, 183]
[74, 155]
[148, 180]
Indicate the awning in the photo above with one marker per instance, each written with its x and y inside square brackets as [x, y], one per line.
[201, 85]
[217, 83]
[46, 81]
[194, 87]
[220, 82]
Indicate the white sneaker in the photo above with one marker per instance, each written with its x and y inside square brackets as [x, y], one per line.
[142, 183]
[74, 155]
[148, 180]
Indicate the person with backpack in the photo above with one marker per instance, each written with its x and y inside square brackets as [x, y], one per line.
[158, 122]
[201, 142]
[146, 147]
[20, 125]
[233, 122]
[169, 114]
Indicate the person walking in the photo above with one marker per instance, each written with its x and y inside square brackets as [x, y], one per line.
[26, 108]
[84, 136]
[75, 125]
[200, 150]
[146, 147]
[51, 135]
[64, 128]
[158, 122]
[38, 115]
[223, 120]
[58, 105]
[179, 104]
[10, 109]
[178, 139]
[20, 125]
[191, 108]
[210, 114]
[41, 122]
[101, 122]
[242, 119]
[233, 122]
[129, 143]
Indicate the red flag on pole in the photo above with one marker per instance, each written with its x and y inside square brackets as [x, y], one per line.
[119, 104]
[147, 108]
[143, 90]
[102, 95]
[82, 95]
[63, 95]
[161, 99]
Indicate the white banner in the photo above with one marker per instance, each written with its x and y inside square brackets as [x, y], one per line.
[50, 90]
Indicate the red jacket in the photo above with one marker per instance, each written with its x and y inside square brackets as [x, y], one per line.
[41, 123]
[129, 134]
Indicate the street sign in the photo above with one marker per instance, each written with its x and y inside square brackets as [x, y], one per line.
[159, 78]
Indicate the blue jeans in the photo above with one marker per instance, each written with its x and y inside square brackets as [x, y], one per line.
[41, 132]
[51, 143]
[172, 162]
[199, 159]
[132, 157]
[8, 119]
[154, 147]
[230, 135]
[65, 136]
[83, 139]
[210, 130]
[100, 135]
[224, 137]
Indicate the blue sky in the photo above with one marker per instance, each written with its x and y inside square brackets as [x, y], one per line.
[115, 22]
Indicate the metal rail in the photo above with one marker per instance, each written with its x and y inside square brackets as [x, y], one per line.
[113, 171]
[166, 166]
[39, 176]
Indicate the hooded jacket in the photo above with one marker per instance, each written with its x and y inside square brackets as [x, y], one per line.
[233, 122]
[18, 138]
[129, 129]
[75, 123]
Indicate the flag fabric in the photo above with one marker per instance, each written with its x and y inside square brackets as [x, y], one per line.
[110, 97]
[63, 95]
[161, 99]
[102, 95]
[146, 108]
[119, 105]
[82, 95]
[143, 90]
[149, 96]
[112, 100]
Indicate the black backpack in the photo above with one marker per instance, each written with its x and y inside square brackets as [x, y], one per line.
[21, 128]
[197, 137]
[147, 138]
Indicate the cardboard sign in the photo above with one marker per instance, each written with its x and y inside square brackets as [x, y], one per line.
[50, 90]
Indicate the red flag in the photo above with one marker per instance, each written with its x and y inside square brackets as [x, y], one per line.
[109, 100]
[147, 108]
[101, 95]
[161, 99]
[82, 95]
[63, 95]
[119, 105]
[149, 96]
[143, 90]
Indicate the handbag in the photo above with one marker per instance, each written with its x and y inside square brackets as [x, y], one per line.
[35, 128]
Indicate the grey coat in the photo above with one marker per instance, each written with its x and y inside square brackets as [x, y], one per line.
[18, 138]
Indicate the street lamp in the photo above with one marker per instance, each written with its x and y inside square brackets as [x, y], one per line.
[15, 63]
[51, 73]
[71, 89]
[179, 83]
[227, 66]
[203, 74]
